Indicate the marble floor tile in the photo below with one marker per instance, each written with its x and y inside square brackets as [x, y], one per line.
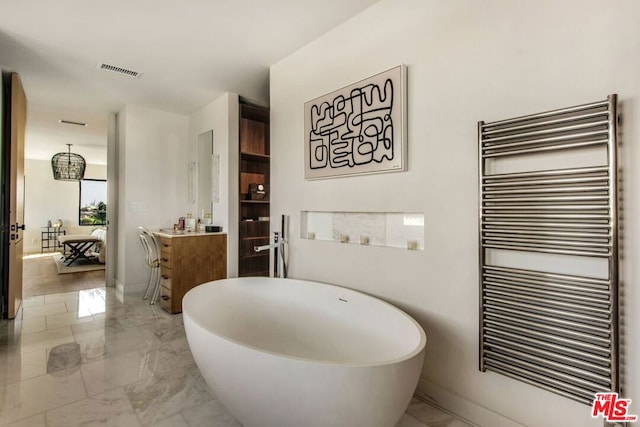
[36, 324]
[107, 409]
[35, 395]
[92, 349]
[458, 423]
[33, 301]
[96, 328]
[73, 306]
[66, 319]
[432, 416]
[212, 414]
[113, 372]
[170, 334]
[35, 421]
[43, 310]
[21, 366]
[141, 316]
[61, 297]
[408, 421]
[45, 339]
[10, 345]
[176, 421]
[91, 301]
[63, 357]
[164, 396]
[170, 357]
[8, 330]
[129, 340]
[152, 317]
[125, 364]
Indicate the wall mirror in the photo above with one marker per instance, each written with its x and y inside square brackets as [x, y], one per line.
[206, 174]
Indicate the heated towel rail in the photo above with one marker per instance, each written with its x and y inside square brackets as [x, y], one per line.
[554, 330]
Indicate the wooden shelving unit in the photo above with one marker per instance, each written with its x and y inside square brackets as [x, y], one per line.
[255, 164]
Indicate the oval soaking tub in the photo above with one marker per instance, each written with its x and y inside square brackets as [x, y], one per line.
[283, 352]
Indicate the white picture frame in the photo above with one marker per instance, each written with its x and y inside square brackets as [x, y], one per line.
[358, 129]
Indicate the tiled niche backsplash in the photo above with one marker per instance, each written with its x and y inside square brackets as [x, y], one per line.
[391, 229]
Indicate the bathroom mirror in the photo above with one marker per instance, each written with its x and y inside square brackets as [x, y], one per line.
[205, 174]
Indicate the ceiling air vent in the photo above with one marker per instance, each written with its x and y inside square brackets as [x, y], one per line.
[70, 122]
[120, 70]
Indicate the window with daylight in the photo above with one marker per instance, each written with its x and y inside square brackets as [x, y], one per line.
[93, 202]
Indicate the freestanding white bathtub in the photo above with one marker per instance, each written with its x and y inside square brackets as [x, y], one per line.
[291, 353]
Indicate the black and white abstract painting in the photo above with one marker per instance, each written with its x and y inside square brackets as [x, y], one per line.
[358, 129]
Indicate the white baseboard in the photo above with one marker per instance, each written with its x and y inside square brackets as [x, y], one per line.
[130, 288]
[466, 410]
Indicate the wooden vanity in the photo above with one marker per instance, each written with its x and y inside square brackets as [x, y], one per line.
[188, 259]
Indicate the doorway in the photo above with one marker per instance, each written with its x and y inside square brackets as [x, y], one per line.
[56, 209]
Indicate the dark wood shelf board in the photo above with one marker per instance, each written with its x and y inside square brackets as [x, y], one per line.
[255, 201]
[257, 255]
[255, 156]
[256, 274]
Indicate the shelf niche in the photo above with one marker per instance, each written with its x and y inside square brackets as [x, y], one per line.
[389, 229]
[254, 168]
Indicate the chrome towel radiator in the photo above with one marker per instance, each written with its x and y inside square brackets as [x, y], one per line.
[540, 325]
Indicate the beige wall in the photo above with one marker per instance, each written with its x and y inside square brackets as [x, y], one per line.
[48, 199]
[467, 61]
[221, 116]
[153, 171]
[155, 149]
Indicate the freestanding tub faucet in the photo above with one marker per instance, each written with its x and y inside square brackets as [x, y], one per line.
[279, 245]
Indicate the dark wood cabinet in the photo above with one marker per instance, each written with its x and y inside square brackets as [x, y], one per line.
[254, 210]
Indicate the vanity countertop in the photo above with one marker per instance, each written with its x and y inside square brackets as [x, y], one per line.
[170, 233]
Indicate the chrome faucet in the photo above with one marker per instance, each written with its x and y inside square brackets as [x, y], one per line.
[277, 243]
[279, 246]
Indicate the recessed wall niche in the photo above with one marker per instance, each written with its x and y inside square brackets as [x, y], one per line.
[390, 229]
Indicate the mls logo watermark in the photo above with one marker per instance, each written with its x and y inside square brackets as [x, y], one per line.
[612, 408]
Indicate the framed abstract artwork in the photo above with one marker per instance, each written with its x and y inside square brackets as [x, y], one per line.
[358, 129]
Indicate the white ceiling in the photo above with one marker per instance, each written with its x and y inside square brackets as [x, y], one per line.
[189, 51]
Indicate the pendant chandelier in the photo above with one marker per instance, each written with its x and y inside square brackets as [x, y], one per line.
[68, 166]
